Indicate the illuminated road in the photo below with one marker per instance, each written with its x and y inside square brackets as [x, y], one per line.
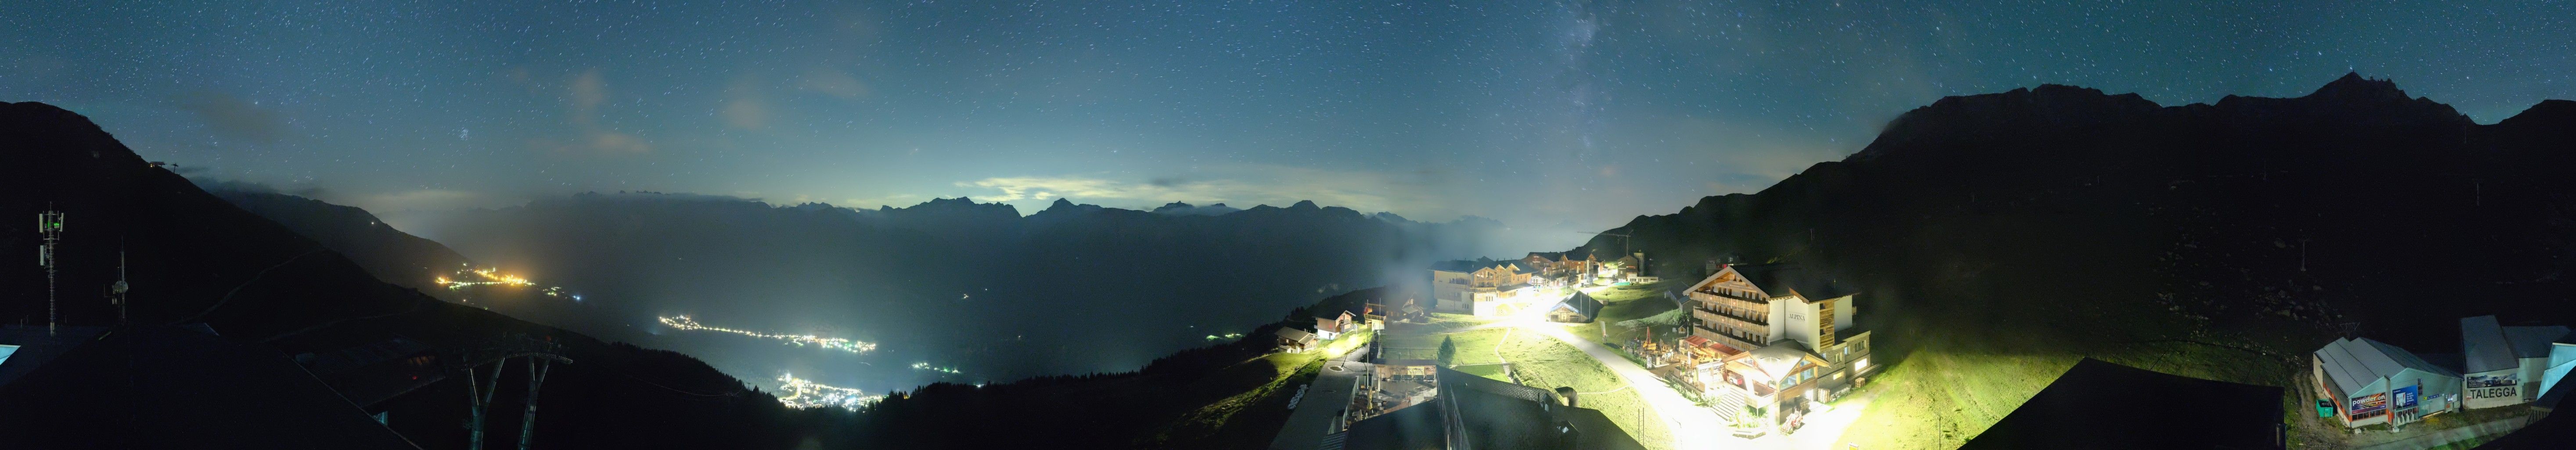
[1693, 427]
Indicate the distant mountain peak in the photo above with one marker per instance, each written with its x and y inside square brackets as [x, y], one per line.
[2354, 87]
[1186, 209]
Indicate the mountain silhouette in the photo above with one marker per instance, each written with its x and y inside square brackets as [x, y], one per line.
[2059, 222]
[1072, 288]
[237, 295]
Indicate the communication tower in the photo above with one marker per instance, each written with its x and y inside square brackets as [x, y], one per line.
[50, 223]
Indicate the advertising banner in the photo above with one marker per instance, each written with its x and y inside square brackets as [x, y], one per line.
[2493, 390]
[2369, 405]
[2406, 396]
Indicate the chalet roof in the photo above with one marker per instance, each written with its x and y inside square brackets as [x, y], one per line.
[1784, 279]
[2483, 347]
[1472, 266]
[1781, 358]
[2355, 362]
[1295, 334]
[1581, 303]
[2533, 342]
[1696, 341]
[1454, 266]
[1332, 325]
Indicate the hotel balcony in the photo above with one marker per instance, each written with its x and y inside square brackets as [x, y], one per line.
[1731, 300]
[1723, 338]
[1742, 320]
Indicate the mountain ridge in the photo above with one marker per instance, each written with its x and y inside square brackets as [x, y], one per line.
[197, 261]
[2058, 222]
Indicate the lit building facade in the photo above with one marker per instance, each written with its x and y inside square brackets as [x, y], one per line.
[1767, 340]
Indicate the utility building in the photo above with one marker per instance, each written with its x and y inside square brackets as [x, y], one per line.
[2370, 382]
[2501, 365]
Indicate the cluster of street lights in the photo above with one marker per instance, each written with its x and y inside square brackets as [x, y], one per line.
[804, 394]
[800, 340]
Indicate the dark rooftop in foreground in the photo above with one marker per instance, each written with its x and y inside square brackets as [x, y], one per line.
[2100, 405]
[1489, 414]
[170, 387]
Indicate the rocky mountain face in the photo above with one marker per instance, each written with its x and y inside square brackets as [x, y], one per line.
[194, 260]
[2098, 221]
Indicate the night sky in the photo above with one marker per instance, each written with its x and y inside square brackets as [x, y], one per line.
[1551, 116]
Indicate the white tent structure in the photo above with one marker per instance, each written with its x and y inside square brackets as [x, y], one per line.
[2371, 382]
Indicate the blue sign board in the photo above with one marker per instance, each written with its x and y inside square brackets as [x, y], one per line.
[2405, 396]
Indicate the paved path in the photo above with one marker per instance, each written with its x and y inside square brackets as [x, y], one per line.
[2447, 436]
[1693, 427]
[1320, 412]
[1823, 428]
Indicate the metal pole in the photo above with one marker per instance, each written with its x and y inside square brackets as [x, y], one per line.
[50, 223]
[474, 400]
[536, 379]
[474, 441]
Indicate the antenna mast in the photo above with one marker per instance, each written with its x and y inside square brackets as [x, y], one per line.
[118, 289]
[50, 223]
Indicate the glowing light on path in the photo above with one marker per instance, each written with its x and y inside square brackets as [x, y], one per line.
[684, 323]
[928, 367]
[802, 394]
[1220, 337]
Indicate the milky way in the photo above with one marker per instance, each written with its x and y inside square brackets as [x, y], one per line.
[1553, 116]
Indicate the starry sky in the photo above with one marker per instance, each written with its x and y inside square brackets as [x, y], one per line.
[1552, 116]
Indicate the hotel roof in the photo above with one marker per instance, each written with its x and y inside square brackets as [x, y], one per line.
[1784, 279]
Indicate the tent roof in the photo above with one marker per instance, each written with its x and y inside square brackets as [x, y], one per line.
[2532, 342]
[2356, 362]
[2483, 347]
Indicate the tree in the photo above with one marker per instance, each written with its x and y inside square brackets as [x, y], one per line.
[1448, 350]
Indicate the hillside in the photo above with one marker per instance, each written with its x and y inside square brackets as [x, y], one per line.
[2001, 237]
[195, 259]
[391, 255]
[1069, 289]
[1230, 394]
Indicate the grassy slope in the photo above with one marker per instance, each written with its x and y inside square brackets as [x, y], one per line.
[1543, 362]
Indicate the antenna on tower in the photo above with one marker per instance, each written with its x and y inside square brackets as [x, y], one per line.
[118, 290]
[50, 224]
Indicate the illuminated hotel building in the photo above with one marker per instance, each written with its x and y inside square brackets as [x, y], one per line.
[1770, 340]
